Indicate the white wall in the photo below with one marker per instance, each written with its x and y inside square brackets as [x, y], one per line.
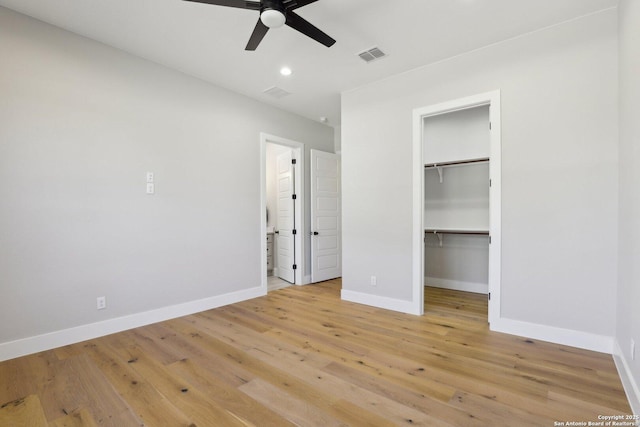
[628, 326]
[460, 201]
[559, 173]
[459, 135]
[80, 125]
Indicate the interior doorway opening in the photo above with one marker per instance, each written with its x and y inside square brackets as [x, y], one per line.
[282, 212]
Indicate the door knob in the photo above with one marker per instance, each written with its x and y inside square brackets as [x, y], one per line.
[315, 233]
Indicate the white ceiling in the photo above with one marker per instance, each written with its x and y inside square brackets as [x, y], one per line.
[208, 41]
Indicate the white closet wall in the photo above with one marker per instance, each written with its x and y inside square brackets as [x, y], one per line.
[461, 200]
[458, 135]
[461, 263]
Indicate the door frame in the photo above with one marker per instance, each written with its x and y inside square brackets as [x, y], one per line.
[299, 154]
[492, 99]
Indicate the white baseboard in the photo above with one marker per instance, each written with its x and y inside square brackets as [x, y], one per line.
[569, 337]
[457, 285]
[35, 344]
[379, 301]
[626, 376]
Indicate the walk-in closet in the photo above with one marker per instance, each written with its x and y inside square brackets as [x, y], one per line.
[457, 160]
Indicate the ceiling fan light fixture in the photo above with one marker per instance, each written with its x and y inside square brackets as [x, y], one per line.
[272, 18]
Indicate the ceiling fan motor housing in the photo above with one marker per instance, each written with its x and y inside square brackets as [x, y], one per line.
[272, 5]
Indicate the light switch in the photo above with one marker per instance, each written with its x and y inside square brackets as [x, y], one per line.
[151, 188]
[149, 177]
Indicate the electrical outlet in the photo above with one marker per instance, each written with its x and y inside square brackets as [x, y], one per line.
[633, 350]
[151, 188]
[101, 303]
[374, 281]
[150, 177]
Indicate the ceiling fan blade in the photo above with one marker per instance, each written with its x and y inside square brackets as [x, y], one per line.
[300, 24]
[258, 34]
[240, 4]
[294, 4]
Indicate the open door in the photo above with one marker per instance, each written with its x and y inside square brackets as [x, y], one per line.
[326, 228]
[285, 238]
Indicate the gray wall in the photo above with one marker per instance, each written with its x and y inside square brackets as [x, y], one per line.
[628, 326]
[80, 125]
[559, 172]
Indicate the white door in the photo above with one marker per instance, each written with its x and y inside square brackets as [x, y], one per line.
[326, 250]
[285, 245]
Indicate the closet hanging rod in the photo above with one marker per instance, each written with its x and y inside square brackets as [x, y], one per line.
[451, 231]
[455, 163]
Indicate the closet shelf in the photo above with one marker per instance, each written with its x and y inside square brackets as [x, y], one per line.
[440, 231]
[456, 163]
[456, 231]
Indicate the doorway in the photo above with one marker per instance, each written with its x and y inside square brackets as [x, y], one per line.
[444, 177]
[282, 212]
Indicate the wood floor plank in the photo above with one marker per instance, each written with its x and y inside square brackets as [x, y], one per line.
[25, 376]
[433, 407]
[24, 412]
[491, 412]
[81, 418]
[149, 404]
[227, 396]
[79, 384]
[198, 406]
[302, 356]
[298, 411]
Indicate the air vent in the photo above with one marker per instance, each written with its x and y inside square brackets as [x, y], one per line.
[277, 92]
[372, 54]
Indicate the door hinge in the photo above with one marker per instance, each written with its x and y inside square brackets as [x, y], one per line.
[294, 231]
[293, 161]
[489, 239]
[489, 183]
[294, 197]
[489, 125]
[295, 266]
[489, 296]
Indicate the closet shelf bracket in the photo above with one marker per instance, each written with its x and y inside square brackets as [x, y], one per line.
[439, 237]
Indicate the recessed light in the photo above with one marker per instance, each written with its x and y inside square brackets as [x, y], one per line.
[285, 71]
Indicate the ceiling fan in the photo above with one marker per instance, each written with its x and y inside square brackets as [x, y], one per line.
[274, 14]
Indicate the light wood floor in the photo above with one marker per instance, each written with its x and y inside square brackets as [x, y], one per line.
[301, 356]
